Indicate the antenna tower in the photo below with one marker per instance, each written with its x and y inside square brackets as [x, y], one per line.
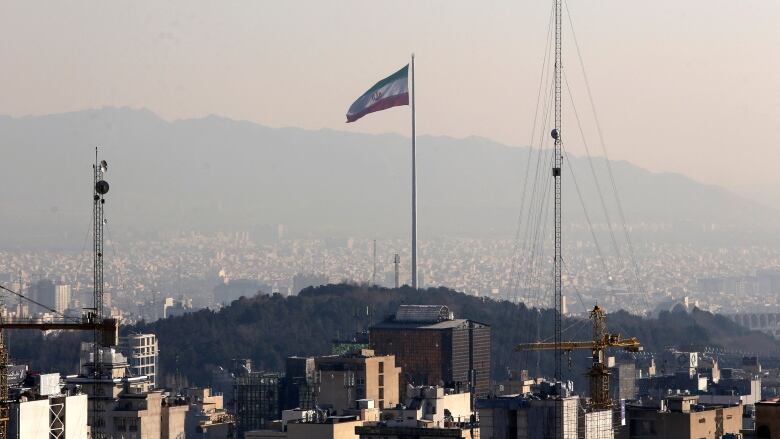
[556, 135]
[99, 190]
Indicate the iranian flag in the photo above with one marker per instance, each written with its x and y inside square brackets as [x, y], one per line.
[392, 91]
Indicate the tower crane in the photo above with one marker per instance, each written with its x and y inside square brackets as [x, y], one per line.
[598, 374]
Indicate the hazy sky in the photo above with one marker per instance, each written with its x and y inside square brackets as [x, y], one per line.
[686, 86]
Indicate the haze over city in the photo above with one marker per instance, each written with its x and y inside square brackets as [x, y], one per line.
[389, 220]
[679, 87]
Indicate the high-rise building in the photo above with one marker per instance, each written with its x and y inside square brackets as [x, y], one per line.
[43, 292]
[298, 385]
[343, 380]
[142, 355]
[256, 400]
[622, 380]
[61, 297]
[434, 348]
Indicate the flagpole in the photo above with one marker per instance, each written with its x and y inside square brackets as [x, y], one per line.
[414, 187]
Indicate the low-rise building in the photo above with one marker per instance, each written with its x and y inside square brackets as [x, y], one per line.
[207, 417]
[680, 417]
[430, 407]
[342, 380]
[536, 415]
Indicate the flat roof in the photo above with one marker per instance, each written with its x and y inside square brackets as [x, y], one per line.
[446, 324]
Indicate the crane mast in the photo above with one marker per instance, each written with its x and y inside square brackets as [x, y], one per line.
[598, 374]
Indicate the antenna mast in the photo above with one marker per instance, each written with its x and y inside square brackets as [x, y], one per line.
[556, 135]
[99, 190]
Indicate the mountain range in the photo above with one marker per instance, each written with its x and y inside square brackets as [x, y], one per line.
[214, 173]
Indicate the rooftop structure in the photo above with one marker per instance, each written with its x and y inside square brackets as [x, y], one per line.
[433, 348]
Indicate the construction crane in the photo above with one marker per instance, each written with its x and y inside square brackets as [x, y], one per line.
[598, 374]
[108, 328]
[105, 330]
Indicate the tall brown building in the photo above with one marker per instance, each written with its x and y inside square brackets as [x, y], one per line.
[434, 348]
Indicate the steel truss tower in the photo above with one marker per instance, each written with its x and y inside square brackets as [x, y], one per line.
[99, 190]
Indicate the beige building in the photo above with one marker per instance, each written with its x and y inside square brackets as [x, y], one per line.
[359, 375]
[681, 417]
[429, 407]
[207, 417]
[768, 419]
[334, 427]
[130, 409]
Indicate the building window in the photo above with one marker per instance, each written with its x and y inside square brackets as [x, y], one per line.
[381, 367]
[381, 393]
[381, 380]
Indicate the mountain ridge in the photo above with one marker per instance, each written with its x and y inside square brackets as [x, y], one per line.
[216, 173]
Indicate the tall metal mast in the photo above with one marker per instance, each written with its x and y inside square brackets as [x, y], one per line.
[99, 190]
[556, 134]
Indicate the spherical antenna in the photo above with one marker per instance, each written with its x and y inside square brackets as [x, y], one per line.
[101, 187]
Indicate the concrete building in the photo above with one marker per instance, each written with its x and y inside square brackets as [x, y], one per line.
[622, 380]
[429, 407]
[359, 375]
[207, 417]
[129, 407]
[142, 355]
[43, 292]
[256, 399]
[298, 384]
[680, 417]
[40, 397]
[768, 419]
[531, 416]
[433, 348]
[61, 297]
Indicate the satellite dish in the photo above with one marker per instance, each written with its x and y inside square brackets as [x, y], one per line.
[103, 166]
[555, 134]
[101, 187]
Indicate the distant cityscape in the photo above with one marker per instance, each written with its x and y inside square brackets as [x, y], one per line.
[194, 271]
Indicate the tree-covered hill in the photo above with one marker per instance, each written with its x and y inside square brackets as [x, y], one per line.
[269, 328]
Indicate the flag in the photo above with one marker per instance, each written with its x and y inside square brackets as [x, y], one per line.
[392, 91]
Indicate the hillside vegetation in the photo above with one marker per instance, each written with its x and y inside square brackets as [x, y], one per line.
[269, 328]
